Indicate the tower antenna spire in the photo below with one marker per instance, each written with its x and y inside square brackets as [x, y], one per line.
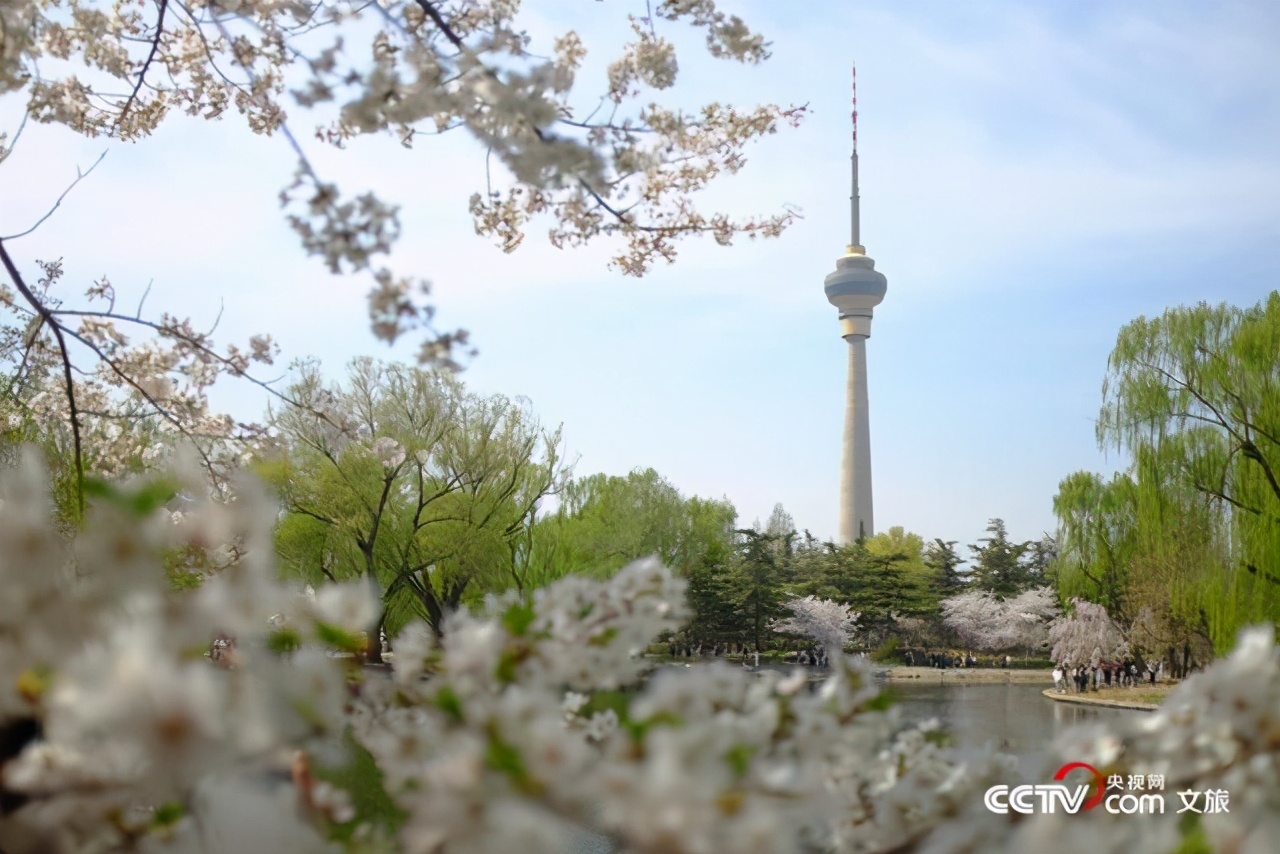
[855, 241]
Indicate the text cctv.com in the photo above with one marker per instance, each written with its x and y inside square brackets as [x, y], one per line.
[1049, 797]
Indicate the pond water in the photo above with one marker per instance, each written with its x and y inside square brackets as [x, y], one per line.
[1018, 719]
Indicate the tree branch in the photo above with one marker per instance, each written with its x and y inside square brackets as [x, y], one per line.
[442, 25]
[142, 74]
[47, 317]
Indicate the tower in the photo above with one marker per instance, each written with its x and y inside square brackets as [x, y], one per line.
[855, 289]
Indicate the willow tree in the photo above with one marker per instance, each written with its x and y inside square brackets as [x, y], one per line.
[401, 478]
[603, 522]
[1194, 396]
[1096, 530]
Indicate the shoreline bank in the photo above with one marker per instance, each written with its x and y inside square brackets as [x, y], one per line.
[965, 675]
[1082, 700]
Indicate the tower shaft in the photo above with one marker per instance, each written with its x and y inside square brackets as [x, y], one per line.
[855, 467]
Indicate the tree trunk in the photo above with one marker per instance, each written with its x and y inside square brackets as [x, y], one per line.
[373, 653]
[435, 613]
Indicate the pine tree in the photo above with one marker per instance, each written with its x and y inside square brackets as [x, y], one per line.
[998, 565]
[942, 559]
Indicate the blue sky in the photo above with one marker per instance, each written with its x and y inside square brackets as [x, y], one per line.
[1034, 175]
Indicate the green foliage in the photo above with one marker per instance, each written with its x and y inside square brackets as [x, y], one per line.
[402, 478]
[883, 577]
[518, 618]
[1184, 545]
[713, 597]
[140, 501]
[943, 562]
[887, 651]
[1097, 525]
[168, 814]
[739, 758]
[758, 580]
[360, 777]
[1194, 840]
[605, 522]
[997, 562]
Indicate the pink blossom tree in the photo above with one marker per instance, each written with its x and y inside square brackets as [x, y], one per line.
[825, 620]
[975, 617]
[1086, 636]
[984, 621]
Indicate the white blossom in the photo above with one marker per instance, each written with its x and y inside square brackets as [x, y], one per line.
[489, 752]
[1086, 636]
[826, 621]
[984, 621]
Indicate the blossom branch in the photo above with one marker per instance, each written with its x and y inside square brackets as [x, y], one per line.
[46, 317]
[146, 64]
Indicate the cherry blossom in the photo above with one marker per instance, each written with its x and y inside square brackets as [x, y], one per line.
[985, 621]
[826, 621]
[1086, 636]
[510, 730]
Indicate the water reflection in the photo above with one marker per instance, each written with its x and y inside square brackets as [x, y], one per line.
[1017, 719]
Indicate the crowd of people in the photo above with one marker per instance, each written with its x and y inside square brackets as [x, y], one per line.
[688, 649]
[1106, 674]
[815, 656]
[950, 659]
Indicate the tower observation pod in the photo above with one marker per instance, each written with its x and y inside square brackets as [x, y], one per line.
[855, 289]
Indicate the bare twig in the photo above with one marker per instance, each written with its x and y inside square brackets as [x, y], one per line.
[79, 177]
[138, 314]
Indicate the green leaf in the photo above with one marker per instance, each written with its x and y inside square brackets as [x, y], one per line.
[1194, 840]
[518, 618]
[939, 738]
[152, 496]
[506, 759]
[363, 781]
[605, 700]
[339, 638]
[881, 701]
[168, 814]
[638, 729]
[140, 502]
[284, 640]
[739, 758]
[604, 638]
[448, 701]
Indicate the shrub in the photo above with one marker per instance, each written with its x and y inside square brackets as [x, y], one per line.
[888, 651]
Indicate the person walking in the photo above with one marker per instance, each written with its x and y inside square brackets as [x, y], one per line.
[1057, 679]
